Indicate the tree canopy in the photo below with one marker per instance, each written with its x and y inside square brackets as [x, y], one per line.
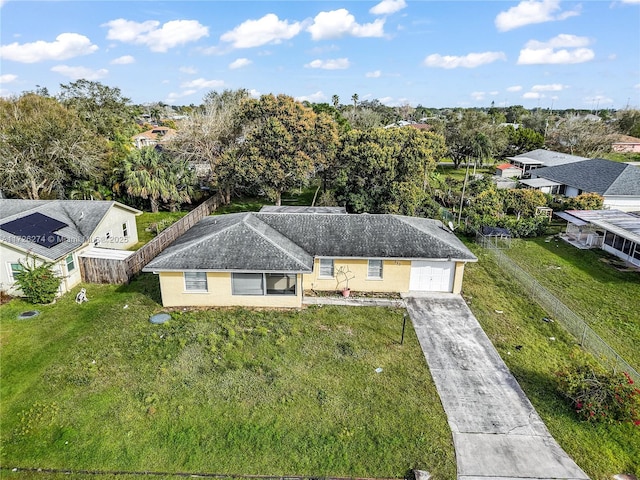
[45, 147]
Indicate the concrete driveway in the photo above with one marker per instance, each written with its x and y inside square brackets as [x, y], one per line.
[497, 434]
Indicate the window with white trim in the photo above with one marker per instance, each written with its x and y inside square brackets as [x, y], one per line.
[326, 268]
[195, 281]
[125, 229]
[14, 268]
[71, 264]
[374, 269]
[247, 284]
[263, 284]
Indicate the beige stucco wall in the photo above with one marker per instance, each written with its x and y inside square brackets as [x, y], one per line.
[395, 276]
[112, 224]
[457, 279]
[219, 293]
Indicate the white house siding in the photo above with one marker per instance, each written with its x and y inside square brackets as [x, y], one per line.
[109, 233]
[11, 255]
[624, 204]
[571, 192]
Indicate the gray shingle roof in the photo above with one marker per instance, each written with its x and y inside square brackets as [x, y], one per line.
[284, 242]
[597, 175]
[301, 209]
[82, 217]
[549, 158]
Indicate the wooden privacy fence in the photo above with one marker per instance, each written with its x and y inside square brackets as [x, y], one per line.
[118, 271]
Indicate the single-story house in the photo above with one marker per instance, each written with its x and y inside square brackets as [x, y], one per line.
[153, 137]
[269, 259]
[626, 144]
[613, 231]
[508, 170]
[618, 183]
[541, 158]
[60, 231]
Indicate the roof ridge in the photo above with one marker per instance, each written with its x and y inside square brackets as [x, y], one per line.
[289, 254]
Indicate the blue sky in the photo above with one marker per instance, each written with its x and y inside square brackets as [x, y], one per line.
[546, 53]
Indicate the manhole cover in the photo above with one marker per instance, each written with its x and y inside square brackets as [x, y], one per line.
[160, 318]
[28, 314]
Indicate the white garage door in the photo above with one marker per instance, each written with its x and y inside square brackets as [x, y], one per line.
[431, 276]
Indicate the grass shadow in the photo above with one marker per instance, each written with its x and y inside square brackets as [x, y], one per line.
[146, 284]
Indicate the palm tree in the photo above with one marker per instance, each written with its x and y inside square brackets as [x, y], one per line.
[355, 97]
[148, 174]
[335, 99]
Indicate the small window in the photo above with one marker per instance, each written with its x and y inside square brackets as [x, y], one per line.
[96, 241]
[326, 268]
[71, 265]
[374, 270]
[125, 229]
[15, 268]
[107, 235]
[195, 281]
[247, 284]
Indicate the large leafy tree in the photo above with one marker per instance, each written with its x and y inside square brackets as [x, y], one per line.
[211, 136]
[282, 144]
[45, 148]
[521, 140]
[149, 174]
[387, 170]
[580, 136]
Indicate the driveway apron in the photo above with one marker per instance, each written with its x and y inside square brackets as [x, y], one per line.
[497, 434]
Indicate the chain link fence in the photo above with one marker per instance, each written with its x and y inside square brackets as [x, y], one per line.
[585, 335]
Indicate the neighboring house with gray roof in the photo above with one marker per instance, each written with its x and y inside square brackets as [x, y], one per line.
[540, 158]
[270, 259]
[59, 231]
[618, 183]
[613, 231]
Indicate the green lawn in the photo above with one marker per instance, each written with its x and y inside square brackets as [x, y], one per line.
[606, 298]
[232, 391]
[601, 450]
[149, 223]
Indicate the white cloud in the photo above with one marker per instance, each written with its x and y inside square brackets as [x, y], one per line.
[631, 1]
[529, 12]
[124, 60]
[597, 99]
[174, 96]
[8, 78]
[554, 87]
[374, 74]
[188, 70]
[637, 86]
[200, 83]
[514, 88]
[331, 64]
[239, 63]
[493, 93]
[387, 7]
[337, 23]
[254, 93]
[533, 95]
[562, 49]
[386, 100]
[268, 29]
[319, 96]
[472, 60]
[478, 95]
[65, 46]
[151, 34]
[75, 73]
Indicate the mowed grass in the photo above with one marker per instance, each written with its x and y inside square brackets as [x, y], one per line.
[604, 297]
[230, 391]
[601, 450]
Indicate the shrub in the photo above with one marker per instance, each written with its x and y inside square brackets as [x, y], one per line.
[39, 283]
[601, 396]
